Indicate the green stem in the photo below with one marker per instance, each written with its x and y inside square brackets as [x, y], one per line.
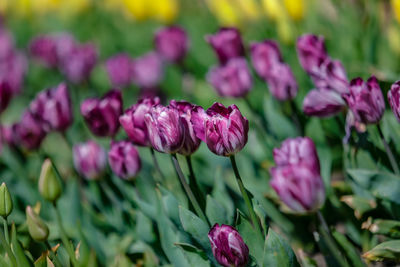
[8, 250]
[155, 162]
[64, 238]
[329, 241]
[53, 254]
[6, 234]
[253, 216]
[296, 118]
[389, 153]
[194, 186]
[187, 189]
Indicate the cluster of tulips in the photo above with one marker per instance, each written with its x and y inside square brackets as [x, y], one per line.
[180, 126]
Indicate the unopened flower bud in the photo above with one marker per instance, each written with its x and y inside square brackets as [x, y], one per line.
[6, 204]
[171, 43]
[227, 44]
[49, 183]
[124, 160]
[37, 228]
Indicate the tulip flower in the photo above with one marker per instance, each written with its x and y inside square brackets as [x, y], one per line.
[37, 228]
[394, 99]
[124, 160]
[365, 100]
[147, 70]
[296, 178]
[133, 121]
[7, 43]
[323, 103]
[165, 128]
[228, 246]
[227, 44]
[44, 48]
[78, 64]
[311, 52]
[232, 79]
[6, 204]
[90, 159]
[53, 108]
[13, 69]
[172, 43]
[119, 69]
[5, 95]
[28, 132]
[223, 129]
[264, 55]
[101, 115]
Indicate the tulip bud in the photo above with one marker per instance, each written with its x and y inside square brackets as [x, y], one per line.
[311, 52]
[228, 246]
[224, 130]
[264, 55]
[299, 187]
[165, 128]
[78, 64]
[133, 120]
[5, 95]
[147, 70]
[53, 108]
[6, 204]
[227, 44]
[322, 103]
[394, 99]
[365, 100]
[119, 69]
[171, 43]
[49, 183]
[37, 228]
[282, 83]
[44, 48]
[28, 132]
[191, 142]
[101, 115]
[13, 69]
[231, 80]
[296, 178]
[124, 160]
[90, 159]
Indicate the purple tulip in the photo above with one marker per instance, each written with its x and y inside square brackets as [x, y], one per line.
[13, 69]
[44, 48]
[264, 56]
[311, 52]
[78, 63]
[5, 95]
[147, 70]
[166, 129]
[231, 80]
[101, 115]
[282, 83]
[191, 142]
[228, 246]
[124, 160]
[7, 43]
[53, 108]
[323, 103]
[133, 121]
[224, 130]
[172, 43]
[28, 132]
[296, 178]
[331, 75]
[227, 44]
[299, 187]
[365, 100]
[90, 159]
[300, 150]
[119, 69]
[394, 99]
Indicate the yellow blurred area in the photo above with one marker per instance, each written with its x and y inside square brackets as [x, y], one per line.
[165, 11]
[396, 9]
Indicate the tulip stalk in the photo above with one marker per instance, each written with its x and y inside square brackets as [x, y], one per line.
[8, 250]
[389, 152]
[5, 226]
[155, 162]
[253, 216]
[193, 182]
[187, 189]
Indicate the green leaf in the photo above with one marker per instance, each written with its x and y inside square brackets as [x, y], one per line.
[277, 252]
[41, 261]
[254, 241]
[381, 184]
[389, 228]
[389, 250]
[360, 205]
[22, 261]
[215, 212]
[195, 256]
[348, 249]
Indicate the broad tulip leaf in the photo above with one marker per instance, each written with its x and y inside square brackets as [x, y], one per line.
[348, 249]
[389, 228]
[215, 212]
[277, 252]
[389, 250]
